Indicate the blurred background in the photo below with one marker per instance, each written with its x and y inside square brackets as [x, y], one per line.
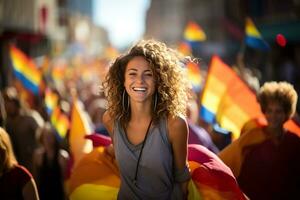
[69, 44]
[89, 27]
[54, 55]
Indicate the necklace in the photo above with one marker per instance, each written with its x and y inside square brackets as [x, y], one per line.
[140, 155]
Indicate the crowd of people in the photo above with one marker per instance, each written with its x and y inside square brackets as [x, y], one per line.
[149, 110]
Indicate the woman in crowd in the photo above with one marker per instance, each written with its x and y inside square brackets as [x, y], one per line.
[16, 182]
[49, 165]
[147, 95]
[266, 159]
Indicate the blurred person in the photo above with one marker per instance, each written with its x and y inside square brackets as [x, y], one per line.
[147, 95]
[251, 75]
[96, 111]
[220, 136]
[266, 159]
[2, 111]
[197, 134]
[21, 126]
[16, 182]
[49, 165]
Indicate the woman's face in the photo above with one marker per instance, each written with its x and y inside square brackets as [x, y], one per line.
[275, 115]
[139, 80]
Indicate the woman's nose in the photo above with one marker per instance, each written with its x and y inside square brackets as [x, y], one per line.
[141, 79]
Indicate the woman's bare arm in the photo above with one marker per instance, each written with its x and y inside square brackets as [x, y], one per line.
[178, 135]
[108, 123]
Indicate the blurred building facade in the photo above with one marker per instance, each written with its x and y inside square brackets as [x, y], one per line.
[28, 25]
[47, 27]
[224, 25]
[167, 20]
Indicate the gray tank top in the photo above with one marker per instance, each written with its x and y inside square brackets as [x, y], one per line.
[155, 178]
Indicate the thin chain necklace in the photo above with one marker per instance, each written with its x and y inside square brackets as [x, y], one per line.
[140, 155]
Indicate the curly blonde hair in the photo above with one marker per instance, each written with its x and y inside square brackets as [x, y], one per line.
[171, 82]
[281, 92]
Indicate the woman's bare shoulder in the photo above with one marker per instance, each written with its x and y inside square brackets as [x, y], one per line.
[177, 127]
[108, 122]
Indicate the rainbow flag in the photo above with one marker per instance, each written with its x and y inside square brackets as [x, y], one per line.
[185, 48]
[51, 100]
[194, 33]
[194, 76]
[97, 177]
[60, 122]
[25, 70]
[253, 37]
[226, 99]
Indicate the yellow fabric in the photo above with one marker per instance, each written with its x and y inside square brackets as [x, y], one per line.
[193, 193]
[233, 155]
[94, 192]
[79, 127]
[210, 193]
[95, 168]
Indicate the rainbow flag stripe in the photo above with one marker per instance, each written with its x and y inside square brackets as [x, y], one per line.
[51, 100]
[194, 33]
[61, 122]
[226, 99]
[253, 37]
[25, 70]
[194, 76]
[185, 48]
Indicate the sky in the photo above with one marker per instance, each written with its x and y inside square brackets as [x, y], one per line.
[124, 20]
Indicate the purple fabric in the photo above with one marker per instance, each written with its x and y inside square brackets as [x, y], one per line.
[99, 139]
[198, 135]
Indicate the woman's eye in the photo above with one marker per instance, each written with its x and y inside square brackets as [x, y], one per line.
[132, 74]
[148, 74]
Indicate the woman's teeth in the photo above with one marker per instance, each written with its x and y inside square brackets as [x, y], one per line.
[139, 89]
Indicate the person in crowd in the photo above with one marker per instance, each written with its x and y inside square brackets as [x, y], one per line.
[220, 136]
[147, 95]
[96, 110]
[266, 159]
[21, 126]
[16, 182]
[197, 134]
[49, 165]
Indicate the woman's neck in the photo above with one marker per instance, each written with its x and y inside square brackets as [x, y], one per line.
[275, 132]
[140, 111]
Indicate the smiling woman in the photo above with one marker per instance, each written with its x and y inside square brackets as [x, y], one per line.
[147, 95]
[139, 80]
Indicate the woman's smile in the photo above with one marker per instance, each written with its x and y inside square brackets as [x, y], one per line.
[139, 80]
